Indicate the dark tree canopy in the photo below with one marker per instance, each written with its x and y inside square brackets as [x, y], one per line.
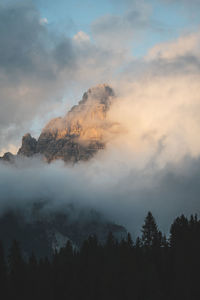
[152, 267]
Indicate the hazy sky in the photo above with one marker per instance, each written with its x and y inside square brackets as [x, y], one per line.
[52, 51]
[149, 51]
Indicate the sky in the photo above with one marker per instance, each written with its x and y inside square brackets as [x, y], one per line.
[53, 51]
[148, 51]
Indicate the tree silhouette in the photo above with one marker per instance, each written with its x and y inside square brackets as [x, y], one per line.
[3, 273]
[151, 236]
[17, 271]
[151, 268]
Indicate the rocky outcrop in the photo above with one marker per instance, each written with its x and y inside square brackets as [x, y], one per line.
[79, 134]
[7, 157]
[29, 145]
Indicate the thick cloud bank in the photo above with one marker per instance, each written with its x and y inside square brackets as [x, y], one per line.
[122, 192]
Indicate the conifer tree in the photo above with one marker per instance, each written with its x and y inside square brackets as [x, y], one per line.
[151, 236]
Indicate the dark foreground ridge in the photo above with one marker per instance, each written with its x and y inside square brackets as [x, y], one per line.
[76, 136]
[42, 232]
[152, 268]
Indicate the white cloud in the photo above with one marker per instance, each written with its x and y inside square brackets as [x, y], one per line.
[81, 36]
[44, 21]
[188, 44]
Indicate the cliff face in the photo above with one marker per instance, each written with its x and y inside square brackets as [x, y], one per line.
[79, 134]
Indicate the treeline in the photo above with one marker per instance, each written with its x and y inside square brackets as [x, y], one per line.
[151, 268]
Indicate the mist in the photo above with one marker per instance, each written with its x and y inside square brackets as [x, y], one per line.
[119, 190]
[151, 162]
[152, 157]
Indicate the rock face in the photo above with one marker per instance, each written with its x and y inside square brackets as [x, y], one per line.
[29, 145]
[79, 134]
[7, 157]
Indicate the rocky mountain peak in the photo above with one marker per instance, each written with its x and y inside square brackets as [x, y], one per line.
[89, 112]
[99, 94]
[79, 134]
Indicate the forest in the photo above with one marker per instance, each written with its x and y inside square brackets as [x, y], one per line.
[151, 267]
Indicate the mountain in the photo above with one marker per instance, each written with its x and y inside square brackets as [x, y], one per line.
[78, 135]
[41, 231]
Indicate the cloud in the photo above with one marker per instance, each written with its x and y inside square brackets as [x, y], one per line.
[186, 45]
[153, 164]
[10, 148]
[37, 67]
[28, 68]
[118, 31]
[177, 57]
[158, 102]
[121, 192]
[43, 21]
[184, 2]
[187, 10]
[81, 36]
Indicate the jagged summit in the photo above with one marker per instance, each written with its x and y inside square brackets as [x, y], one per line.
[79, 134]
[29, 145]
[90, 112]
